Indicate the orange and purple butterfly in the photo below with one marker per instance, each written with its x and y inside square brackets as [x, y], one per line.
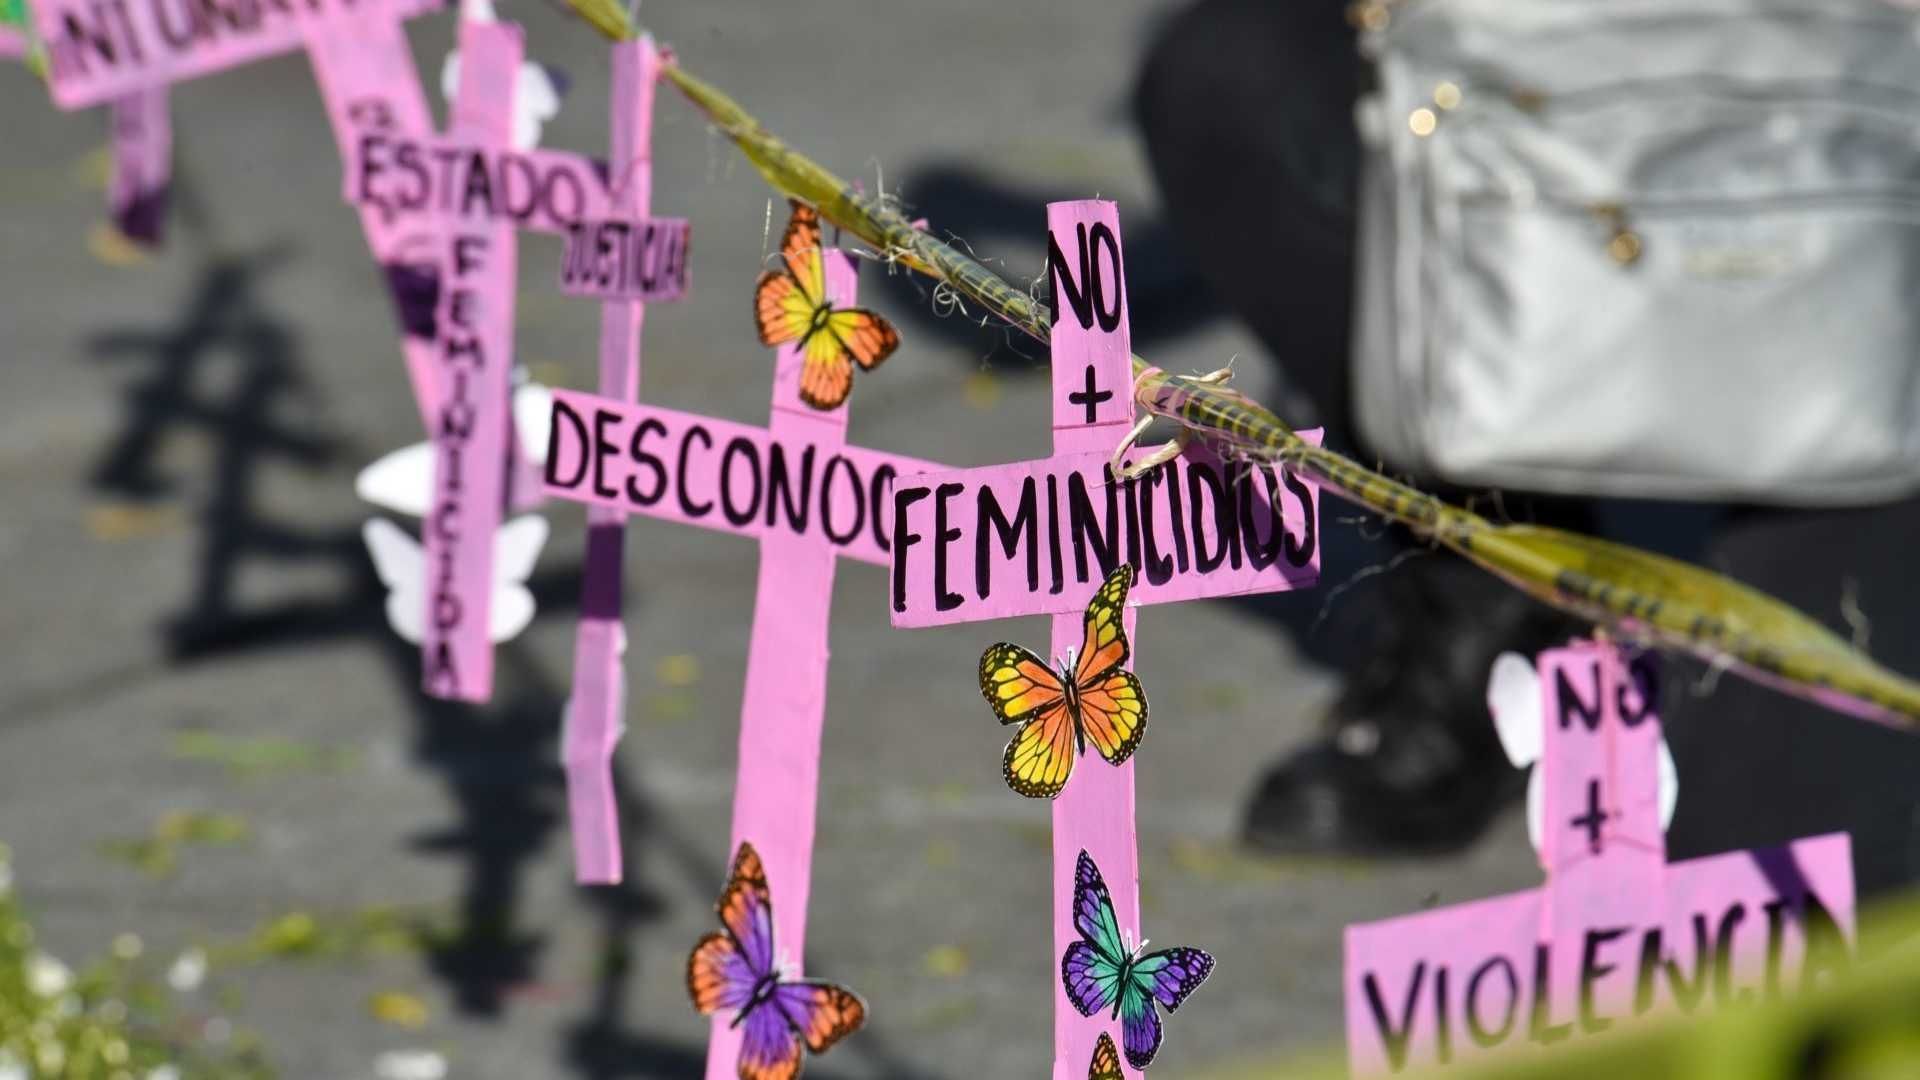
[735, 970]
[1089, 699]
[1106, 1061]
[791, 305]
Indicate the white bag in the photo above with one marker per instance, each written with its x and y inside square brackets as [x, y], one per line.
[1644, 247]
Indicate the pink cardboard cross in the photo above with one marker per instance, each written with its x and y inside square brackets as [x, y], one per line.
[404, 179]
[593, 721]
[810, 499]
[1038, 537]
[411, 187]
[1617, 931]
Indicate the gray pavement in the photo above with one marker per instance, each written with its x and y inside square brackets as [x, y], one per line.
[172, 569]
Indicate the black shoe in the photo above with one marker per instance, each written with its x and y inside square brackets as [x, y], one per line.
[1412, 763]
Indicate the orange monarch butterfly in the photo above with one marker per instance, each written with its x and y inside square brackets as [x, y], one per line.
[791, 305]
[1106, 1061]
[1089, 699]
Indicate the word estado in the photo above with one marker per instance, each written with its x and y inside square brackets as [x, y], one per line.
[542, 190]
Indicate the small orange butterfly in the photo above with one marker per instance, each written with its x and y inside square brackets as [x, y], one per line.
[1091, 698]
[1106, 1061]
[791, 305]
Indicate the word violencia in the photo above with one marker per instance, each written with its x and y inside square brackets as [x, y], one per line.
[547, 191]
[677, 466]
[102, 49]
[979, 543]
[1616, 931]
[626, 260]
[1505, 998]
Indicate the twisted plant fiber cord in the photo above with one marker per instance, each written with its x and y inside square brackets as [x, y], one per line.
[1637, 594]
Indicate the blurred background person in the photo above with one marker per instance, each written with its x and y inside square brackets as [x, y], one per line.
[1599, 257]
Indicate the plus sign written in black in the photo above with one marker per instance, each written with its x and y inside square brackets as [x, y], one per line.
[1593, 818]
[1091, 397]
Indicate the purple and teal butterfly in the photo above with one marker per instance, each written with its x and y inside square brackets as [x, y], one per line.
[735, 970]
[1101, 972]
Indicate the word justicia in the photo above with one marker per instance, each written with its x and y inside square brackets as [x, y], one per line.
[463, 360]
[639, 260]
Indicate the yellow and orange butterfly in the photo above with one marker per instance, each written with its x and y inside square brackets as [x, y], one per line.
[791, 305]
[1106, 1061]
[1088, 700]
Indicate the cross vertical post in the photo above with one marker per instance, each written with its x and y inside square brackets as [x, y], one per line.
[1039, 537]
[594, 721]
[1092, 409]
[783, 708]
[1603, 849]
[142, 165]
[474, 353]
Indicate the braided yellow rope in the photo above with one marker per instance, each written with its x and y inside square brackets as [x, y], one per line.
[1633, 593]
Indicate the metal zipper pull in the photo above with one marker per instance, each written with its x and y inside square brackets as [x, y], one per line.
[1527, 99]
[1624, 246]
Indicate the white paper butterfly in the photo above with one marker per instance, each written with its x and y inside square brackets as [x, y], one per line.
[619, 699]
[1514, 697]
[402, 565]
[536, 98]
[402, 481]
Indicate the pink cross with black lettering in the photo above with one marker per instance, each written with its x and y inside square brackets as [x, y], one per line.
[810, 499]
[1617, 931]
[1038, 537]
